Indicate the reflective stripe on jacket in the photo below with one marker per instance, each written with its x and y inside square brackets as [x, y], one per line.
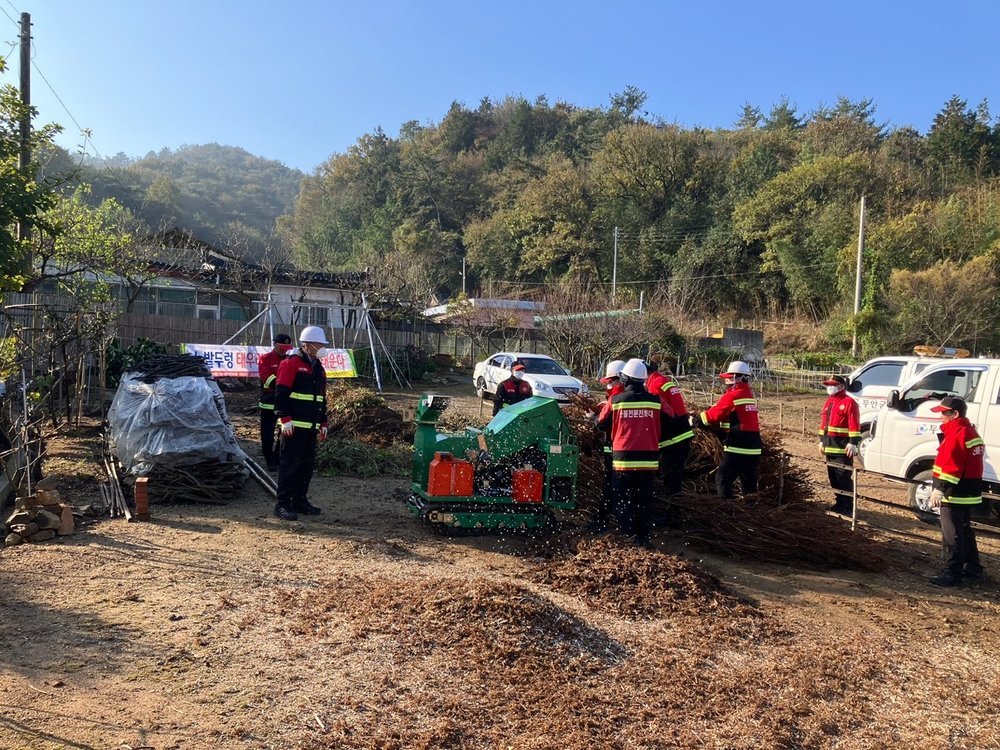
[736, 414]
[958, 467]
[300, 391]
[840, 424]
[267, 370]
[635, 418]
[679, 427]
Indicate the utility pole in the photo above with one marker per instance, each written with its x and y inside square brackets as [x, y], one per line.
[463, 275]
[614, 267]
[857, 278]
[24, 156]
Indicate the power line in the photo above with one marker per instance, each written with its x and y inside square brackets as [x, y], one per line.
[16, 24]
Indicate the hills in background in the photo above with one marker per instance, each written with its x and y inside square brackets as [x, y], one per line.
[223, 195]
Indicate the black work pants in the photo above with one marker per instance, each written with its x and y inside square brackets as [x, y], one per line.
[736, 466]
[298, 459]
[268, 422]
[633, 494]
[959, 539]
[842, 481]
[672, 461]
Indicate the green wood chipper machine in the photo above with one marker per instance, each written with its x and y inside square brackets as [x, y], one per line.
[509, 475]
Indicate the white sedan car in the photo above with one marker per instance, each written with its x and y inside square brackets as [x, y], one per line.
[547, 377]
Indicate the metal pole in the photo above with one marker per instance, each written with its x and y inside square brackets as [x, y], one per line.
[614, 267]
[854, 496]
[857, 278]
[463, 276]
[24, 155]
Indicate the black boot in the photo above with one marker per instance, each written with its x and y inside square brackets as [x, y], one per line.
[284, 513]
[947, 579]
[306, 508]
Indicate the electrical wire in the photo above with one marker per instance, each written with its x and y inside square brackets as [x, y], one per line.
[16, 24]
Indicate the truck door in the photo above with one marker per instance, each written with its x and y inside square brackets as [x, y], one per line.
[909, 432]
[871, 386]
[988, 425]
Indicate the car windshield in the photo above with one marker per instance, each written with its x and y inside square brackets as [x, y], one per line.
[539, 366]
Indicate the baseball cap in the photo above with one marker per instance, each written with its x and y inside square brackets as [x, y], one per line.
[951, 403]
[835, 380]
[517, 366]
[282, 338]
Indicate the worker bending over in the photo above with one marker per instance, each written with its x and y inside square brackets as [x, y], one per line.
[267, 371]
[636, 419]
[300, 403]
[513, 390]
[735, 413]
[675, 442]
[839, 436]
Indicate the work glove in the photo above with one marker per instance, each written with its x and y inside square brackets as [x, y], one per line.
[695, 422]
[287, 428]
[821, 449]
[937, 496]
[851, 450]
[322, 432]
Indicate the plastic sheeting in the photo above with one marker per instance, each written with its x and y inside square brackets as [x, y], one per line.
[170, 422]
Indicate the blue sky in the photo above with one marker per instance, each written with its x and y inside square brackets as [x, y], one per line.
[301, 80]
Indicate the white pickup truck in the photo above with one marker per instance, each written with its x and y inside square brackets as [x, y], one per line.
[871, 383]
[903, 442]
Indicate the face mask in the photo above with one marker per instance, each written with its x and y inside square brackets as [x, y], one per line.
[832, 390]
[518, 375]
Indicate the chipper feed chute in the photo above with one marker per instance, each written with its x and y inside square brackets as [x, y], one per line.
[509, 475]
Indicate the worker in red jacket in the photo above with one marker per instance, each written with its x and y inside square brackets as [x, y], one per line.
[612, 386]
[675, 443]
[513, 390]
[839, 437]
[636, 420]
[735, 413]
[958, 486]
[300, 403]
[267, 371]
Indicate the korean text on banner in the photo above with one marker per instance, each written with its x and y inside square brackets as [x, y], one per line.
[225, 361]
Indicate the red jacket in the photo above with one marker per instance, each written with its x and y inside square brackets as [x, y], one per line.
[736, 413]
[635, 418]
[840, 424]
[300, 392]
[679, 428]
[958, 468]
[267, 370]
[613, 391]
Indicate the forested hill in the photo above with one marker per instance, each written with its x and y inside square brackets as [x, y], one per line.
[223, 194]
[757, 219]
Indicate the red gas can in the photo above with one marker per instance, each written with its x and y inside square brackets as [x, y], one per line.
[449, 476]
[528, 484]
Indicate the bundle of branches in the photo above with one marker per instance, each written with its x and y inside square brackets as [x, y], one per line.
[362, 415]
[160, 366]
[205, 482]
[778, 523]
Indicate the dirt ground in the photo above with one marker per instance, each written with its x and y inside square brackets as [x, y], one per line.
[223, 627]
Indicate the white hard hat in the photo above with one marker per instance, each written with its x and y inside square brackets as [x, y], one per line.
[611, 371]
[313, 335]
[736, 368]
[635, 369]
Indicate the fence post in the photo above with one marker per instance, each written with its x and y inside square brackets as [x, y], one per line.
[803, 421]
[781, 420]
[854, 496]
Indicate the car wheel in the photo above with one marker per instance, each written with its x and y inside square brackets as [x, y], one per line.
[920, 495]
[481, 388]
[866, 439]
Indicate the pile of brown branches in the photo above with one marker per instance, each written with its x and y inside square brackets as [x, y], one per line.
[779, 523]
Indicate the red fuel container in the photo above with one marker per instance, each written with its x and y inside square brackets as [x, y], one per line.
[449, 476]
[528, 485]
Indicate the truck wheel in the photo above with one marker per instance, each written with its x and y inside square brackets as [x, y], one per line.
[866, 439]
[920, 495]
[481, 388]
